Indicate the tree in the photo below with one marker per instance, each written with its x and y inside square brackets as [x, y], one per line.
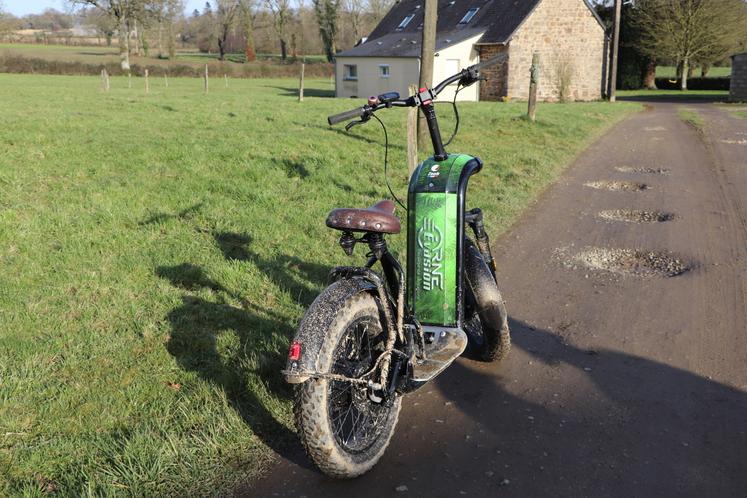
[226, 14]
[5, 21]
[379, 8]
[355, 9]
[205, 29]
[166, 13]
[122, 12]
[327, 13]
[689, 31]
[247, 15]
[174, 9]
[281, 16]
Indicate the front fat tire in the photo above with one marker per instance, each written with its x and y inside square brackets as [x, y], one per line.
[311, 403]
[491, 319]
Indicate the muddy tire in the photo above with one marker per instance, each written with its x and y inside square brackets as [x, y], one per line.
[485, 319]
[328, 413]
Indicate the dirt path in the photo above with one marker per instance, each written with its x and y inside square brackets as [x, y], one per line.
[618, 385]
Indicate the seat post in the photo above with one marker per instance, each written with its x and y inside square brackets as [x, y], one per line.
[377, 244]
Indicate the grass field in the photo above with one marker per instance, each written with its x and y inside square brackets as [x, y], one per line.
[671, 71]
[158, 251]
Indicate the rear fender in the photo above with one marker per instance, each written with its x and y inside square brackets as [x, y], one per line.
[316, 322]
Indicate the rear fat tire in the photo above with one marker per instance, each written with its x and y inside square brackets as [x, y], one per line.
[487, 323]
[311, 399]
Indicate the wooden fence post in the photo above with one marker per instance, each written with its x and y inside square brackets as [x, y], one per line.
[300, 83]
[206, 78]
[225, 77]
[166, 79]
[534, 73]
[129, 80]
[412, 134]
[147, 86]
[106, 78]
[103, 81]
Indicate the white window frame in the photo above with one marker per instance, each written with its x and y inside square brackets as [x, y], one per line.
[381, 70]
[471, 13]
[346, 76]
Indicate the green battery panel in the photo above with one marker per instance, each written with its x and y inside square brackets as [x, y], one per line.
[434, 229]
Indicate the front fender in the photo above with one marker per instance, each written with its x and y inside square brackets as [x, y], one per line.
[316, 322]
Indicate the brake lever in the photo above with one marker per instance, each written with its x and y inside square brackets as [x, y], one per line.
[354, 123]
[472, 76]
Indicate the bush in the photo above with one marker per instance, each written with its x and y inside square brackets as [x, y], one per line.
[694, 84]
[259, 69]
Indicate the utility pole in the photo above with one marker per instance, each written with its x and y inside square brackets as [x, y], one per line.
[615, 47]
[428, 49]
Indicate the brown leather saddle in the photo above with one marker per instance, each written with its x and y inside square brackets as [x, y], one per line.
[379, 218]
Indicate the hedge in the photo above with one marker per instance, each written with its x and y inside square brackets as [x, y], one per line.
[695, 83]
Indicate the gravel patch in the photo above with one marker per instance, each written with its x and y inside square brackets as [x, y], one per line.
[615, 185]
[648, 171]
[636, 262]
[636, 216]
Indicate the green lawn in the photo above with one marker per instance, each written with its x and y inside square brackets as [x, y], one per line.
[671, 71]
[158, 251]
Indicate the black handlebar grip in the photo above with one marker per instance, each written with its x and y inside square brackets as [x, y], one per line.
[346, 116]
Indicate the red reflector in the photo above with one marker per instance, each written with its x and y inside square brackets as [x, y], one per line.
[294, 353]
[423, 89]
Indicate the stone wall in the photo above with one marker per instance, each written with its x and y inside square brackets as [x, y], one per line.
[571, 44]
[496, 87]
[738, 86]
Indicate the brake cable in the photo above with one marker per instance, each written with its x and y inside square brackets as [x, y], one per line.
[456, 112]
[386, 162]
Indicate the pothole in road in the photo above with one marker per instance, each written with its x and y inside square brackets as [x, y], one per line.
[635, 216]
[648, 171]
[636, 262]
[615, 185]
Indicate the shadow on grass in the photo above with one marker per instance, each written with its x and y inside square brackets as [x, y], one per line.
[181, 215]
[308, 92]
[249, 374]
[340, 130]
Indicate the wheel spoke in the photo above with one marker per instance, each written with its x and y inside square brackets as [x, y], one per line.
[354, 418]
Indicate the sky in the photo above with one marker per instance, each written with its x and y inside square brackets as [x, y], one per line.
[23, 7]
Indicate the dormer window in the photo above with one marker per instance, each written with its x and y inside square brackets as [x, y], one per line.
[469, 15]
[405, 22]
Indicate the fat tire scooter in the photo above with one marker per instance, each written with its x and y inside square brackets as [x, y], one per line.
[373, 336]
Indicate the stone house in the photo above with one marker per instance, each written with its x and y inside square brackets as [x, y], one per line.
[738, 85]
[568, 35]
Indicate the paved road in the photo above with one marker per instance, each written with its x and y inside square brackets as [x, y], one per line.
[617, 385]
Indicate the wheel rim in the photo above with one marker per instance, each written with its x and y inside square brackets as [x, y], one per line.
[356, 420]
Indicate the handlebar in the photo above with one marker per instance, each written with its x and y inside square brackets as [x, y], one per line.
[467, 77]
[347, 115]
